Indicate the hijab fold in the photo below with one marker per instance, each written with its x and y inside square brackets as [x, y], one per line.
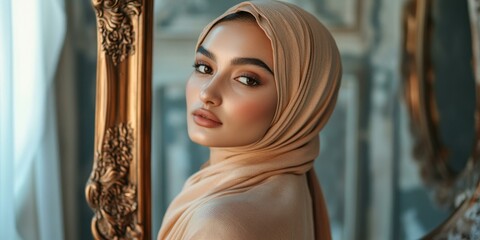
[307, 72]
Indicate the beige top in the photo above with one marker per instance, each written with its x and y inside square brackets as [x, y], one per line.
[268, 190]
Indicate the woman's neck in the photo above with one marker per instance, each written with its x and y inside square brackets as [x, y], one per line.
[218, 154]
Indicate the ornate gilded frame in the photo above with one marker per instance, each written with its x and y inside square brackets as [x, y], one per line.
[419, 95]
[118, 189]
[458, 190]
[419, 87]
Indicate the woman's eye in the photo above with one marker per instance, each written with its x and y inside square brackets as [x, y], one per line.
[249, 81]
[202, 68]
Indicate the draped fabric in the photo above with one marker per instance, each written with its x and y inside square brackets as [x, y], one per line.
[268, 190]
[31, 38]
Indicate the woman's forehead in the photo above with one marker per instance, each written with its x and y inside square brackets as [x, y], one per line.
[240, 38]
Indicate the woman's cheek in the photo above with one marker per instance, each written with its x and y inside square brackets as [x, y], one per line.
[191, 91]
[254, 112]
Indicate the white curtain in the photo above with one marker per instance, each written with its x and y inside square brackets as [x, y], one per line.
[31, 38]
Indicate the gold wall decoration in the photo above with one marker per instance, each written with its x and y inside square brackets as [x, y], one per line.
[118, 189]
[113, 196]
[115, 26]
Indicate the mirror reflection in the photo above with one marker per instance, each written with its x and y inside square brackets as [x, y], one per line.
[350, 166]
[455, 99]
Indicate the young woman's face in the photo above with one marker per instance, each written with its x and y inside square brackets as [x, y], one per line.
[231, 95]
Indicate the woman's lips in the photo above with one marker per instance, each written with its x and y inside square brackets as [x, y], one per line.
[205, 118]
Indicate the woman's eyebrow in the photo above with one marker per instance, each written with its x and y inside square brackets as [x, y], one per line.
[205, 52]
[252, 61]
[237, 61]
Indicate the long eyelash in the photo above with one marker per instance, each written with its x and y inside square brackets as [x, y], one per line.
[199, 62]
[196, 65]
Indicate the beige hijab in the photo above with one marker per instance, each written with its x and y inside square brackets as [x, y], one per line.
[307, 71]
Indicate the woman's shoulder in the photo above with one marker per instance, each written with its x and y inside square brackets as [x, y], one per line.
[223, 218]
[275, 193]
[257, 213]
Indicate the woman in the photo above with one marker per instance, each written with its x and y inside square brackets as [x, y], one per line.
[265, 81]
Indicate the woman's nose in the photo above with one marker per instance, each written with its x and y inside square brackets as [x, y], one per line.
[210, 92]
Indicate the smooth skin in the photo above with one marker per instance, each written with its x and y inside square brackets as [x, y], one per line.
[231, 94]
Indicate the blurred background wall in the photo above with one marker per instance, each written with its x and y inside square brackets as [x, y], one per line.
[366, 167]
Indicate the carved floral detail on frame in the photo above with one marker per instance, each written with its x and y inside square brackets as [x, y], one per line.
[115, 26]
[109, 191]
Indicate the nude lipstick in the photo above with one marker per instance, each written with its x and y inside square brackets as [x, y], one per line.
[205, 118]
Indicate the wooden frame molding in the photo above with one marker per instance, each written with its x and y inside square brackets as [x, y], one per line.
[461, 190]
[419, 92]
[118, 189]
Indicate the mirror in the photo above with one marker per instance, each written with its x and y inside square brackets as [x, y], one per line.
[440, 91]
[441, 55]
[360, 153]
